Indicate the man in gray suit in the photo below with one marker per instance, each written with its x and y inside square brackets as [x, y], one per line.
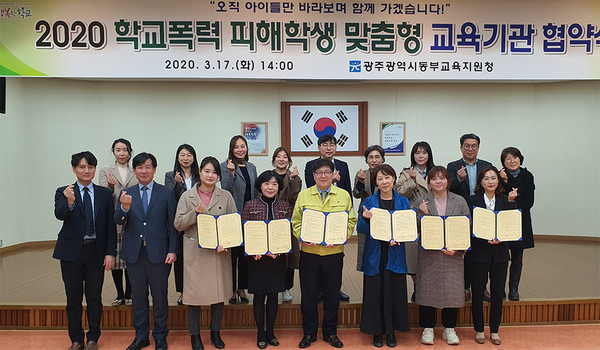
[147, 211]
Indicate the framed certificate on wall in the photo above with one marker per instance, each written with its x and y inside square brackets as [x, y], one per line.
[391, 138]
[256, 135]
[302, 123]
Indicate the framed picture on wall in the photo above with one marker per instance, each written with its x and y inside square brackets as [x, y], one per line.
[391, 138]
[302, 123]
[256, 135]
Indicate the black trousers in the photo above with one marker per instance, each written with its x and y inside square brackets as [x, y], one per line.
[516, 267]
[239, 268]
[144, 274]
[325, 272]
[497, 273]
[178, 266]
[85, 275]
[428, 314]
[195, 314]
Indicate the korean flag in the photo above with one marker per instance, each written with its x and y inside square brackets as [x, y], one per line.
[308, 123]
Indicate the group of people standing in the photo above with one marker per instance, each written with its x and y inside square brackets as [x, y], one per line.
[148, 227]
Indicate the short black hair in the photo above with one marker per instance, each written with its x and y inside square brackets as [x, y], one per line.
[266, 176]
[326, 138]
[215, 163]
[321, 162]
[141, 158]
[514, 151]
[385, 169]
[469, 136]
[480, 190]
[87, 155]
[375, 148]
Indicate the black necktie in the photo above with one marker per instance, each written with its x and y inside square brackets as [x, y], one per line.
[88, 212]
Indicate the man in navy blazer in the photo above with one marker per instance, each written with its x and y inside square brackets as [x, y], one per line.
[147, 213]
[327, 145]
[327, 148]
[463, 179]
[86, 246]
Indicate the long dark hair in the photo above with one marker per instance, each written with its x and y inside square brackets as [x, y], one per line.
[193, 168]
[232, 147]
[425, 146]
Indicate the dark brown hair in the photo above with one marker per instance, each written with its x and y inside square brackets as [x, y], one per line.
[479, 189]
[438, 169]
[232, 147]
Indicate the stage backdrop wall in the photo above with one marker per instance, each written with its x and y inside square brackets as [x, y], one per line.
[556, 126]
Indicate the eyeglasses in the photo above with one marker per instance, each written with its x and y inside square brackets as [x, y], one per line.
[468, 146]
[321, 173]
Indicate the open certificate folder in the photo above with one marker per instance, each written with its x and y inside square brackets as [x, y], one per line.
[262, 237]
[451, 232]
[324, 228]
[221, 230]
[399, 225]
[504, 225]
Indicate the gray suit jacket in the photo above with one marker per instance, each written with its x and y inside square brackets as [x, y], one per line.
[236, 184]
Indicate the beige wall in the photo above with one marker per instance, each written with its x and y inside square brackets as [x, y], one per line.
[556, 126]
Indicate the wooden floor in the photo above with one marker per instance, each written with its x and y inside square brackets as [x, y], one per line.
[553, 270]
[556, 337]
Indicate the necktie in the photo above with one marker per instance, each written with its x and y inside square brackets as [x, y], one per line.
[323, 196]
[145, 198]
[88, 212]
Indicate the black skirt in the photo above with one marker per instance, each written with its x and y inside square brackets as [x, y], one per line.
[385, 303]
[267, 275]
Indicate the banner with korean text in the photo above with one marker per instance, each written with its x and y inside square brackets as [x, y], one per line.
[302, 40]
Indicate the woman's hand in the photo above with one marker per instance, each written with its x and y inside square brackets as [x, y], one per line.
[274, 256]
[220, 249]
[361, 176]
[230, 166]
[392, 243]
[308, 244]
[512, 195]
[503, 175]
[294, 172]
[178, 178]
[257, 257]
[448, 251]
[412, 173]
[494, 241]
[423, 207]
[367, 214]
[200, 208]
[111, 181]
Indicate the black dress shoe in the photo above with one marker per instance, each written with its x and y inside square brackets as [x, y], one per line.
[390, 340]
[378, 341]
[334, 341]
[343, 296]
[261, 344]
[306, 341]
[197, 342]
[215, 338]
[161, 344]
[180, 300]
[273, 341]
[138, 344]
[513, 295]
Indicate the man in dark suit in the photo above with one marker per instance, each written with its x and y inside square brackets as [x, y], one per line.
[86, 246]
[327, 145]
[463, 179]
[147, 211]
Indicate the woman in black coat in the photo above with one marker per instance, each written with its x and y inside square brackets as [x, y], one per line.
[515, 176]
[489, 257]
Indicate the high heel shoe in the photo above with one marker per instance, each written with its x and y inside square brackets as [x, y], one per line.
[243, 300]
[233, 299]
[180, 300]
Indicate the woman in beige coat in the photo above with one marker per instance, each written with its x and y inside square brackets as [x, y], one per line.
[206, 272]
[118, 177]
